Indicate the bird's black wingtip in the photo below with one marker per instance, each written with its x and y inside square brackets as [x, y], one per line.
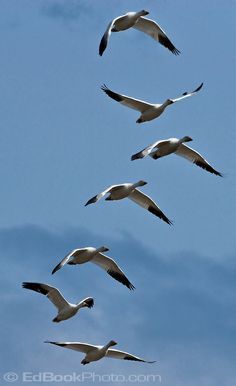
[88, 203]
[56, 343]
[121, 278]
[58, 266]
[102, 45]
[218, 173]
[104, 87]
[160, 214]
[176, 52]
[169, 222]
[135, 156]
[91, 201]
[27, 285]
[199, 87]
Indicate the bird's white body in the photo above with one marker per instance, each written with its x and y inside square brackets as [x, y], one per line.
[126, 21]
[67, 312]
[84, 255]
[96, 354]
[153, 112]
[167, 147]
[121, 191]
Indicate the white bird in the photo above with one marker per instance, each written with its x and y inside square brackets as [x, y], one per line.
[148, 111]
[95, 255]
[137, 21]
[128, 190]
[94, 353]
[65, 309]
[174, 145]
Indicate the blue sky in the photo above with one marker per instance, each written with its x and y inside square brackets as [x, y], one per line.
[63, 141]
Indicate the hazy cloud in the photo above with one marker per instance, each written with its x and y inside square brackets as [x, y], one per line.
[67, 10]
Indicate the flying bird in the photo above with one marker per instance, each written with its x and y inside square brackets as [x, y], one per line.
[95, 255]
[128, 190]
[137, 21]
[65, 309]
[94, 353]
[174, 145]
[148, 111]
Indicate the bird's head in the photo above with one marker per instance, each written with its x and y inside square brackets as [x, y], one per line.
[186, 139]
[142, 183]
[169, 102]
[112, 343]
[104, 249]
[144, 12]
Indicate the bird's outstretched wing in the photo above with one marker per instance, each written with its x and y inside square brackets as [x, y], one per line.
[187, 94]
[147, 150]
[105, 39]
[135, 104]
[65, 260]
[53, 294]
[112, 269]
[99, 196]
[77, 346]
[111, 353]
[146, 202]
[196, 158]
[152, 29]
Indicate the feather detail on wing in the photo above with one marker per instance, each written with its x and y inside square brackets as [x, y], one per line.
[196, 158]
[146, 202]
[112, 269]
[105, 39]
[187, 94]
[64, 261]
[99, 196]
[135, 104]
[152, 29]
[77, 346]
[116, 354]
[147, 150]
[53, 294]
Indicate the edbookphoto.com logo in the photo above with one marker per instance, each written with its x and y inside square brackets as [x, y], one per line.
[30, 377]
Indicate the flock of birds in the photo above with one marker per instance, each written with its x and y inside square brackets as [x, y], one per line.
[156, 150]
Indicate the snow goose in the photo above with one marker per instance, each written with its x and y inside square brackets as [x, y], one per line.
[137, 21]
[95, 255]
[174, 145]
[148, 111]
[128, 190]
[65, 310]
[94, 353]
